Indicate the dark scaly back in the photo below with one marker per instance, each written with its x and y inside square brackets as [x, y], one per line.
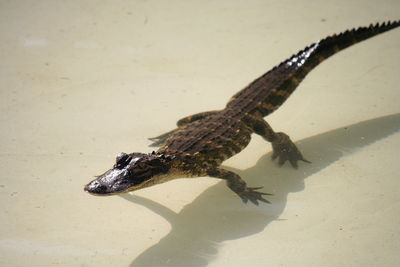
[268, 92]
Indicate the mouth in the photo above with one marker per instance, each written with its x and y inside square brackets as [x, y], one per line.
[110, 183]
[96, 188]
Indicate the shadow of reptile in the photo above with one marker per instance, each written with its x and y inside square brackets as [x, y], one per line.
[218, 215]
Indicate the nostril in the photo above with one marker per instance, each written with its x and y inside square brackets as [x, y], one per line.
[95, 187]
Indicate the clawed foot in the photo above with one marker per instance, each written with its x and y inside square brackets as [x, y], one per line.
[160, 140]
[254, 196]
[157, 142]
[286, 150]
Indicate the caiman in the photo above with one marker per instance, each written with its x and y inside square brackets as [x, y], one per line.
[201, 142]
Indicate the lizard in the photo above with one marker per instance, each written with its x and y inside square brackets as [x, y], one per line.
[201, 142]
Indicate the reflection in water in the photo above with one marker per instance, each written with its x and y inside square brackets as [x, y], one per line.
[218, 215]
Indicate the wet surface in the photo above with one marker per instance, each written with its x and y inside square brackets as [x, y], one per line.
[81, 83]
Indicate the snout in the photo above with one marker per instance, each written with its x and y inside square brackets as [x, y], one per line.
[113, 181]
[96, 188]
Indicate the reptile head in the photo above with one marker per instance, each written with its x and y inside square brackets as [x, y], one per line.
[130, 172]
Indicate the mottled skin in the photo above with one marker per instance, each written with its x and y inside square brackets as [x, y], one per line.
[201, 142]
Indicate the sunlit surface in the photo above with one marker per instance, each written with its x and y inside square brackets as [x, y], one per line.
[81, 81]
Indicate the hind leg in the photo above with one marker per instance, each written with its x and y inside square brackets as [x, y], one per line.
[160, 140]
[283, 148]
[195, 117]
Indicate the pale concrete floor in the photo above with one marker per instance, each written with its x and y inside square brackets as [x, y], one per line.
[82, 81]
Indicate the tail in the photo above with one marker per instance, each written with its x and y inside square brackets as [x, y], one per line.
[268, 92]
[331, 45]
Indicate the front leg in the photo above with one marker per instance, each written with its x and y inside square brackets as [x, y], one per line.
[237, 185]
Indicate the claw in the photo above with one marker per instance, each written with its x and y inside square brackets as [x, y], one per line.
[156, 143]
[161, 139]
[255, 188]
[274, 155]
[285, 150]
[266, 194]
[282, 160]
[293, 162]
[254, 201]
[264, 200]
[163, 136]
[254, 196]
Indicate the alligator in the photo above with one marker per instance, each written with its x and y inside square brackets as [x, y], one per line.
[201, 142]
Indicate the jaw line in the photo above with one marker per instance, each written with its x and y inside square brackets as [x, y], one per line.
[129, 189]
[157, 179]
[110, 194]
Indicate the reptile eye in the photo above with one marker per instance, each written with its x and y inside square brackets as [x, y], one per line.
[143, 165]
[156, 162]
[122, 159]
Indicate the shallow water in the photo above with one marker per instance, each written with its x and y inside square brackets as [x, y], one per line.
[81, 82]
